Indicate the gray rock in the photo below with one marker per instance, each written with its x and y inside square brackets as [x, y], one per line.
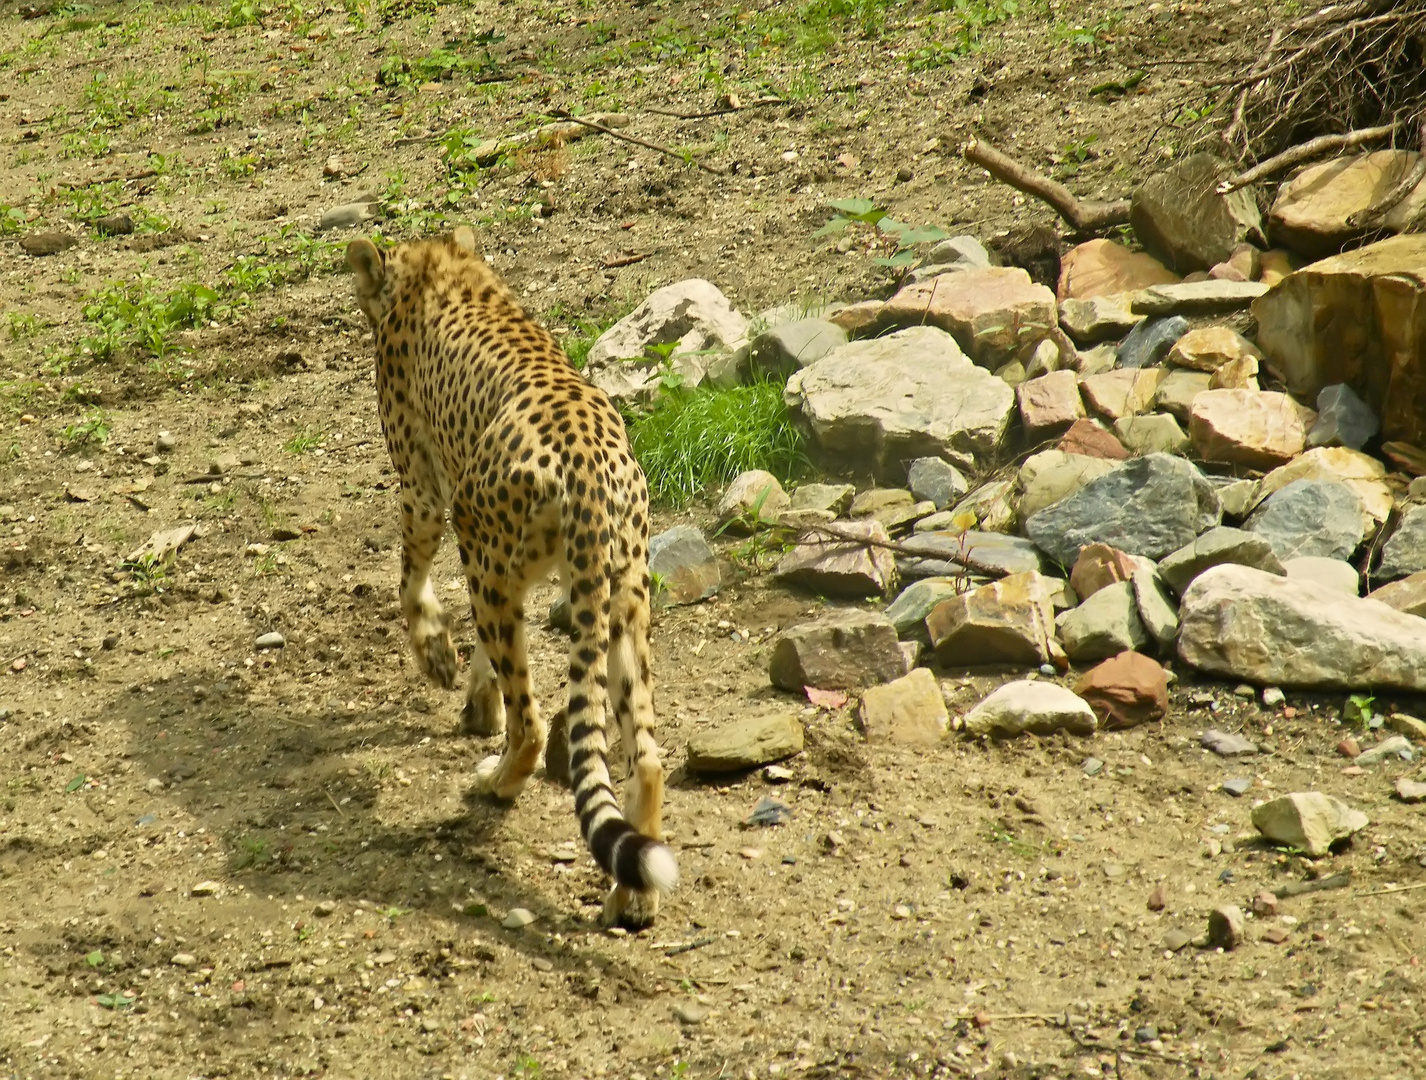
[1104, 625]
[1332, 573]
[745, 744]
[692, 313]
[1343, 419]
[1393, 747]
[347, 215]
[911, 711]
[836, 499]
[881, 402]
[1211, 297]
[685, 563]
[1227, 744]
[1308, 821]
[270, 640]
[1150, 341]
[1247, 625]
[1041, 708]
[114, 225]
[792, 345]
[1405, 552]
[842, 650]
[1181, 219]
[937, 481]
[946, 554]
[1157, 611]
[1310, 517]
[961, 252]
[830, 566]
[1151, 434]
[1215, 547]
[1148, 506]
[1238, 786]
[907, 613]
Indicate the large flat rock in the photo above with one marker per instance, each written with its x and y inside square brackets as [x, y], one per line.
[887, 401]
[996, 314]
[1311, 212]
[1358, 318]
[1245, 624]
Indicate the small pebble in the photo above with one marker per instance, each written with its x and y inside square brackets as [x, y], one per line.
[776, 774]
[1243, 690]
[154, 785]
[1047, 669]
[518, 918]
[689, 1014]
[901, 911]
[205, 888]
[539, 963]
[184, 960]
[1265, 905]
[1175, 940]
[1273, 697]
[1159, 898]
[272, 640]
[325, 908]
[1349, 747]
[1275, 935]
[1146, 1034]
[1237, 785]
[165, 442]
[1092, 766]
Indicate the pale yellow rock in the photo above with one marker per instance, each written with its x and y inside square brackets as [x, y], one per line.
[1210, 347]
[1126, 392]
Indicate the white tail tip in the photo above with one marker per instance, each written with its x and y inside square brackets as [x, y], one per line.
[660, 868]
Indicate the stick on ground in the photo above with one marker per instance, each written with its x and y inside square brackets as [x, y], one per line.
[1083, 217]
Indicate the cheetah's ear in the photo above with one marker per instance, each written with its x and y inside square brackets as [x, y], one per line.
[465, 240]
[368, 266]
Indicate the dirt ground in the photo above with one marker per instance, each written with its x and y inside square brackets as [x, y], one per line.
[219, 861]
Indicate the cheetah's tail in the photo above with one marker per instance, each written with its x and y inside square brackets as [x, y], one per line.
[632, 859]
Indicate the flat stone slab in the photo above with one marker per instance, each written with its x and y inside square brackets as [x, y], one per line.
[745, 744]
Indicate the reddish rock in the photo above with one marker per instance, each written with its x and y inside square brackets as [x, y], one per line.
[1255, 429]
[1100, 565]
[1264, 905]
[1226, 271]
[1090, 439]
[1349, 748]
[1103, 268]
[1126, 690]
[856, 318]
[1408, 594]
[1049, 404]
[996, 315]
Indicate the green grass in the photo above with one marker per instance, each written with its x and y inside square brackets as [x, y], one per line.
[698, 439]
[305, 441]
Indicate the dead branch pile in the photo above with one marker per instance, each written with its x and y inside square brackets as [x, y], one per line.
[1351, 65]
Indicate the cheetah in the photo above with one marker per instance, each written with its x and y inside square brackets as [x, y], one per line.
[485, 415]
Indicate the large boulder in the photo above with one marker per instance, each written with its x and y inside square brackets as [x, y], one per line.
[1364, 474]
[1253, 428]
[1312, 211]
[1244, 624]
[997, 314]
[887, 401]
[1105, 268]
[693, 315]
[1310, 517]
[1011, 621]
[842, 650]
[1357, 318]
[1179, 216]
[1148, 506]
[829, 566]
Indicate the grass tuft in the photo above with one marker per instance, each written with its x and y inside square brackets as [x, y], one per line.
[698, 439]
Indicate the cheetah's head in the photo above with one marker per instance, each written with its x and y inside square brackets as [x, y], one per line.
[380, 275]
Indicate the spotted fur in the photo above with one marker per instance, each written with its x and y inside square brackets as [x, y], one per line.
[483, 413]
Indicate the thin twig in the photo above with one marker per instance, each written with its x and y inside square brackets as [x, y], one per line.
[727, 110]
[1083, 217]
[1376, 214]
[1389, 890]
[687, 158]
[1313, 148]
[626, 260]
[690, 946]
[335, 805]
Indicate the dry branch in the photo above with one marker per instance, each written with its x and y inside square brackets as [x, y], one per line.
[642, 142]
[1375, 214]
[1083, 217]
[1296, 155]
[556, 134]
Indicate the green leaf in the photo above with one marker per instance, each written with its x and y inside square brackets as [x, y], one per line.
[76, 783]
[114, 1001]
[94, 959]
[859, 209]
[836, 225]
[901, 258]
[922, 234]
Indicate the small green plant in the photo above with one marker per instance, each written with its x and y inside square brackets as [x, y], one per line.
[12, 219]
[1360, 710]
[438, 65]
[251, 851]
[92, 430]
[896, 240]
[134, 314]
[305, 441]
[392, 913]
[698, 438]
[147, 573]
[1072, 156]
[527, 1068]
